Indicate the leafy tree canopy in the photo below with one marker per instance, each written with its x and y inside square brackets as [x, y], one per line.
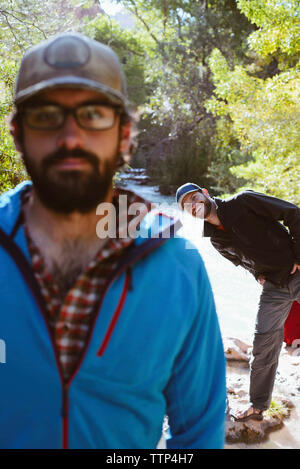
[278, 23]
[263, 113]
[131, 47]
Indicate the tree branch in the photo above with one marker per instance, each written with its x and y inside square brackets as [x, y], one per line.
[136, 13]
[12, 30]
[26, 23]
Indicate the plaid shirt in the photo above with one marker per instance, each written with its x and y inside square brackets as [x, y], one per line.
[70, 319]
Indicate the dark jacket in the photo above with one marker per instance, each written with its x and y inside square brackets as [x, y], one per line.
[254, 237]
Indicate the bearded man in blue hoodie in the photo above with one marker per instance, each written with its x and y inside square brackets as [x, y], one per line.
[104, 335]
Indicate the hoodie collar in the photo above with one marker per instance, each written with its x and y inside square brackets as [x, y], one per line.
[154, 224]
[10, 206]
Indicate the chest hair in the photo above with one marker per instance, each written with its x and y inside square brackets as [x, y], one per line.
[66, 260]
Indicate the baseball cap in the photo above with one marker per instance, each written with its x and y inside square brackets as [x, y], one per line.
[71, 60]
[185, 189]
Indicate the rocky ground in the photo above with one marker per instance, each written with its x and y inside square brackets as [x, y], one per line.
[286, 396]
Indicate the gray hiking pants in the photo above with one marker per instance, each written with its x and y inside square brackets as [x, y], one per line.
[274, 307]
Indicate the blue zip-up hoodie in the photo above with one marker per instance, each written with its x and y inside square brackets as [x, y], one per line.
[154, 349]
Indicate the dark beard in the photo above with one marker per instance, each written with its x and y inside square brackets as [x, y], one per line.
[207, 207]
[69, 191]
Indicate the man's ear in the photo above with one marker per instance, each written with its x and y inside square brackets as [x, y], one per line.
[205, 191]
[125, 138]
[16, 132]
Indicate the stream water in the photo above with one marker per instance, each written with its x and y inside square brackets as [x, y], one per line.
[236, 296]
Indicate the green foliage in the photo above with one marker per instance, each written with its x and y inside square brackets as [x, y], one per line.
[23, 23]
[263, 113]
[11, 170]
[130, 48]
[188, 156]
[278, 24]
[224, 181]
[278, 409]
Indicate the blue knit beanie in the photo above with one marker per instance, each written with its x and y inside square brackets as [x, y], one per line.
[186, 189]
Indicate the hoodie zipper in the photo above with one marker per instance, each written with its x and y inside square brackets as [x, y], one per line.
[65, 416]
[66, 385]
[116, 314]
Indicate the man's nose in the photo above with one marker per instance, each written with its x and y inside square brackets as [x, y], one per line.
[70, 135]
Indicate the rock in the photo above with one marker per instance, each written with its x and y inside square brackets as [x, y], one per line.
[235, 349]
[251, 431]
[286, 393]
[138, 175]
[141, 179]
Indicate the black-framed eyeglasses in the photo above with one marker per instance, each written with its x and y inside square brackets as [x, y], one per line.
[53, 116]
